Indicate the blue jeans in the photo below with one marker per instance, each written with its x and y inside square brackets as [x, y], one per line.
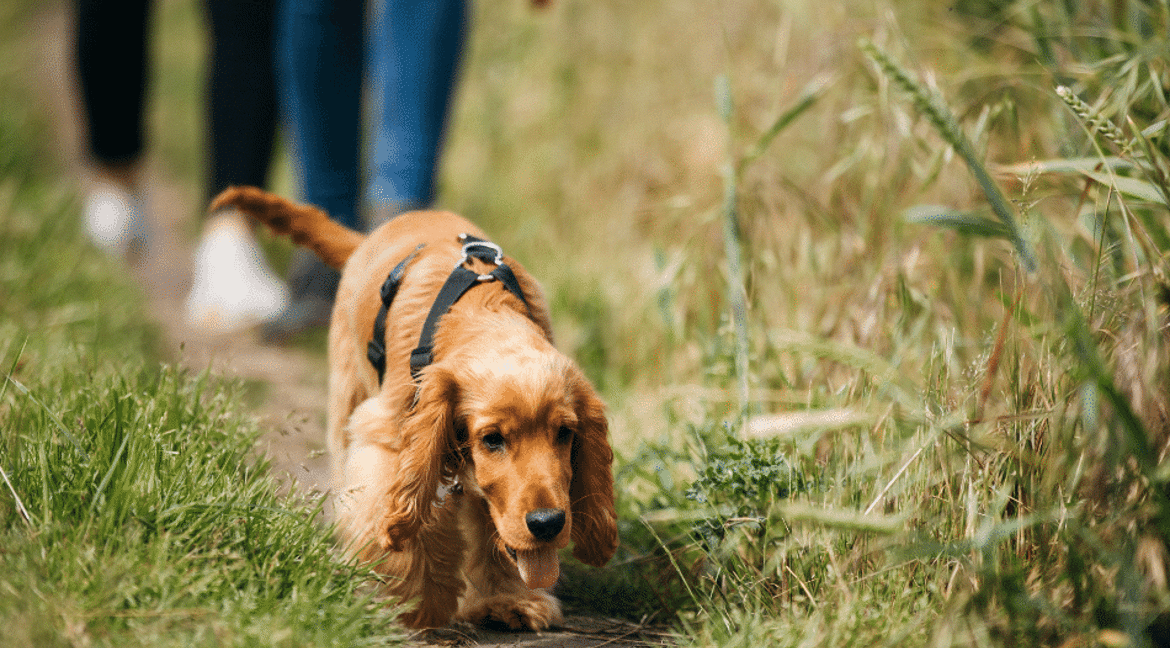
[411, 55]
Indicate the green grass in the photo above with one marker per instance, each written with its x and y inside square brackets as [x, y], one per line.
[882, 328]
[133, 507]
[144, 519]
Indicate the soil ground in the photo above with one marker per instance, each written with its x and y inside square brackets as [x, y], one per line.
[293, 381]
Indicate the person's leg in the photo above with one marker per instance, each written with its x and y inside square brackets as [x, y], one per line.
[319, 65]
[415, 51]
[232, 285]
[112, 62]
[241, 93]
[319, 74]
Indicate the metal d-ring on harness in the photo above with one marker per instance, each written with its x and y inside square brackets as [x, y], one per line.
[458, 282]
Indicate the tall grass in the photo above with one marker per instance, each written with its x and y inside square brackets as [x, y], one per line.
[958, 367]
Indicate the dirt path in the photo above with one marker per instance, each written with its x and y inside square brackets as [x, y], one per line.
[292, 407]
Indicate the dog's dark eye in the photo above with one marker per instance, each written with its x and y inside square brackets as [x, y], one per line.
[564, 435]
[494, 441]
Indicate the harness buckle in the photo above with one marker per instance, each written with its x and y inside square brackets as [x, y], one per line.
[471, 244]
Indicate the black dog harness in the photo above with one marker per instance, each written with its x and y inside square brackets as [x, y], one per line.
[458, 282]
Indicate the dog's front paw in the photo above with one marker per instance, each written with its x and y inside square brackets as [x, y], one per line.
[528, 610]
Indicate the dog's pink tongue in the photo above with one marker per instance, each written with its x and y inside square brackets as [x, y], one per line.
[539, 568]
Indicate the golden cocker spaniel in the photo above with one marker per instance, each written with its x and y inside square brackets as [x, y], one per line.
[459, 483]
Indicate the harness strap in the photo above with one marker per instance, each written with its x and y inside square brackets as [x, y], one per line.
[459, 282]
[376, 347]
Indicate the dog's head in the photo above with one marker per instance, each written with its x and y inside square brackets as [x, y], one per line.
[535, 434]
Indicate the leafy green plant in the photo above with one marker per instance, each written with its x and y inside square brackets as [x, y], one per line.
[745, 478]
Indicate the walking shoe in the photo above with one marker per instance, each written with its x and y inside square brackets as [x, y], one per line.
[232, 286]
[312, 287]
[114, 220]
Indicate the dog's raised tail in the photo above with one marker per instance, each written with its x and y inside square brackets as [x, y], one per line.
[306, 225]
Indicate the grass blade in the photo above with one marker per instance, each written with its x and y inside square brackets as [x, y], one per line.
[1065, 166]
[840, 519]
[944, 121]
[52, 416]
[1132, 187]
[97, 495]
[733, 248]
[802, 422]
[808, 97]
[962, 222]
[24, 514]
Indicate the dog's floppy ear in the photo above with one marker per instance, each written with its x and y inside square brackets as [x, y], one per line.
[591, 491]
[428, 457]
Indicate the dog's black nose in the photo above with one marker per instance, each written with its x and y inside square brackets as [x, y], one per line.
[545, 523]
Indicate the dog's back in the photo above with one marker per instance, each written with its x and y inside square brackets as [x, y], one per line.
[366, 261]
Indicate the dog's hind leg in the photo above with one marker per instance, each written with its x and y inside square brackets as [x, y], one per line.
[434, 577]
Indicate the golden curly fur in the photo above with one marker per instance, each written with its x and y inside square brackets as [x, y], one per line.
[459, 488]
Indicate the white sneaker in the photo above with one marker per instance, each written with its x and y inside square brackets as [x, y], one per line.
[113, 219]
[232, 286]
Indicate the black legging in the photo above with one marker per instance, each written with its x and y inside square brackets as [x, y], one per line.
[112, 64]
[241, 92]
[112, 59]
